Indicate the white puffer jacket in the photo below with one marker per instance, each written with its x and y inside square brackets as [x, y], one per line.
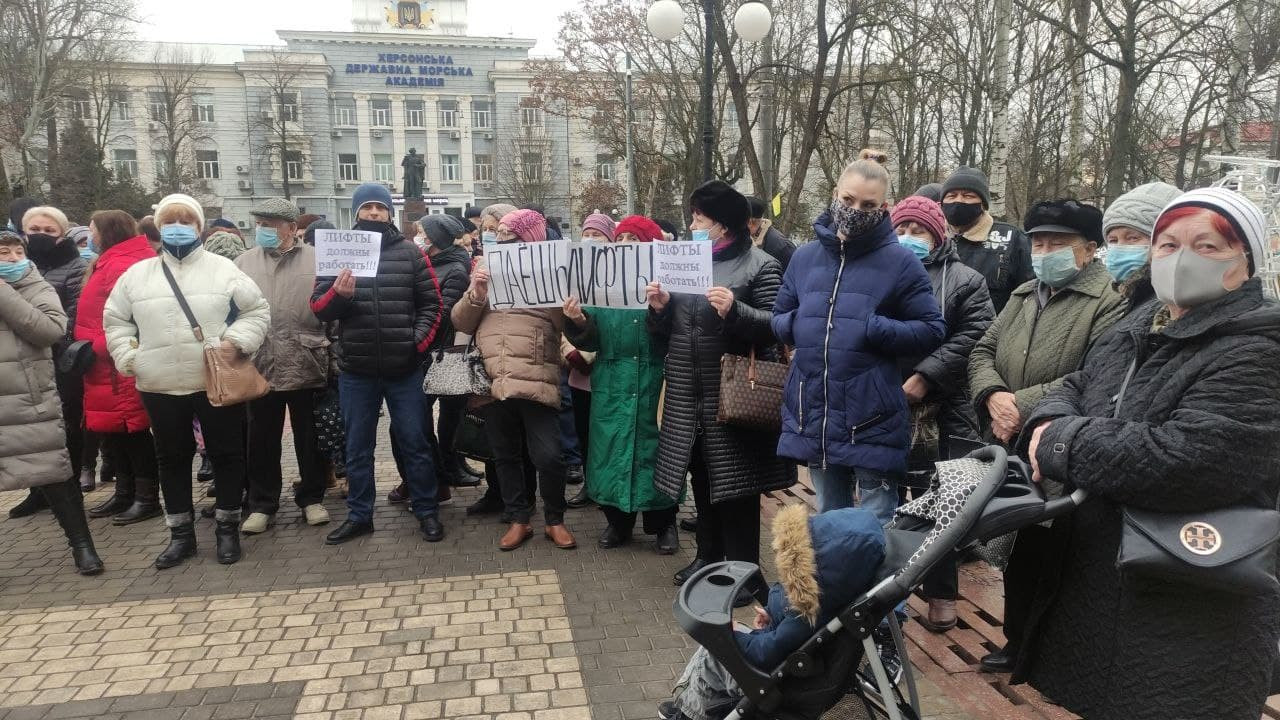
[148, 335]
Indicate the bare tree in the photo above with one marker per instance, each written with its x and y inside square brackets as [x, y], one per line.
[180, 121]
[523, 171]
[276, 135]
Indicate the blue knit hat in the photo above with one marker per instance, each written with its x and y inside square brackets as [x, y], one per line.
[371, 192]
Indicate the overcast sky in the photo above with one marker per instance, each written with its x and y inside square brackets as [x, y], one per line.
[254, 22]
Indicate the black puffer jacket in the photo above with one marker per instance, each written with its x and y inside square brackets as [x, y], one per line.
[740, 462]
[453, 271]
[64, 269]
[1197, 430]
[966, 307]
[387, 326]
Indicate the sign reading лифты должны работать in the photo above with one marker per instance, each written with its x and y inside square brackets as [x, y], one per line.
[354, 250]
[599, 274]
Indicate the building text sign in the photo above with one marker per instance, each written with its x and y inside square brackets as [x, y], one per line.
[412, 69]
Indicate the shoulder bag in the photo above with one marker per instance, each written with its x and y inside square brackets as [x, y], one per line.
[751, 391]
[458, 370]
[229, 376]
[1229, 550]
[76, 359]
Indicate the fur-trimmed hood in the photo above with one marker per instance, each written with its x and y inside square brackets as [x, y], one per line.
[825, 561]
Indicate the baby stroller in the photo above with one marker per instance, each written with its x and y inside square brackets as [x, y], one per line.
[976, 498]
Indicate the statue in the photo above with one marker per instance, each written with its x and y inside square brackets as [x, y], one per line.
[415, 168]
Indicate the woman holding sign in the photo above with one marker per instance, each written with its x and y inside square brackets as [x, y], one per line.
[731, 466]
[626, 380]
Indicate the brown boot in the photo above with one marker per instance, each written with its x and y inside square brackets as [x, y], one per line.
[560, 535]
[516, 536]
[941, 617]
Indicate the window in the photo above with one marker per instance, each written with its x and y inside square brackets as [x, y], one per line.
[531, 166]
[344, 216]
[530, 113]
[482, 114]
[157, 106]
[450, 169]
[79, 108]
[413, 113]
[381, 112]
[289, 107]
[604, 167]
[120, 105]
[203, 108]
[344, 115]
[125, 162]
[448, 113]
[162, 166]
[347, 168]
[384, 169]
[484, 168]
[207, 164]
[293, 164]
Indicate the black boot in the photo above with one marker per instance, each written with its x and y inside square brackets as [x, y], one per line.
[67, 504]
[668, 542]
[226, 533]
[88, 480]
[34, 503]
[145, 505]
[119, 501]
[182, 541]
[205, 473]
[682, 576]
[107, 468]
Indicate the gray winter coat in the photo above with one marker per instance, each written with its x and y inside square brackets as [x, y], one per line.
[33, 446]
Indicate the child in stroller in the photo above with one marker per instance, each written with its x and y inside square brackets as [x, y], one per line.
[824, 562]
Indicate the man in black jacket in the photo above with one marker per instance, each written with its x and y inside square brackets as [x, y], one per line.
[999, 251]
[387, 324]
[766, 237]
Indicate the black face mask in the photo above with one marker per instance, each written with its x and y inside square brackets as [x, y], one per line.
[40, 245]
[961, 214]
[382, 228]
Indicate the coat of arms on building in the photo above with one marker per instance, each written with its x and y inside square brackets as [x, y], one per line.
[409, 15]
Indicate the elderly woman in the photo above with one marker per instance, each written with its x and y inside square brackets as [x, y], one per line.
[730, 466]
[1127, 225]
[1195, 430]
[626, 380]
[1042, 335]
[151, 340]
[33, 452]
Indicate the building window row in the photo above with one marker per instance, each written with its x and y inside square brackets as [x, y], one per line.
[449, 114]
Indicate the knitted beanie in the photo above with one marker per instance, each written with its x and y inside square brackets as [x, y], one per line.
[528, 225]
[371, 192]
[1139, 208]
[969, 178]
[442, 230]
[1245, 217]
[642, 227]
[600, 222]
[225, 244]
[924, 211]
[497, 211]
[933, 191]
[186, 201]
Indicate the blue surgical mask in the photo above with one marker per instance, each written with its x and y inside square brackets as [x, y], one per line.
[1123, 260]
[178, 235]
[489, 237]
[88, 253]
[1055, 269]
[917, 245]
[267, 237]
[701, 236]
[12, 271]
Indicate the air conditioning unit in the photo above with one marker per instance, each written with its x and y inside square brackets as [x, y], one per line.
[245, 184]
[340, 185]
[242, 169]
[336, 133]
[577, 161]
[376, 133]
[488, 136]
[153, 126]
[268, 115]
[456, 135]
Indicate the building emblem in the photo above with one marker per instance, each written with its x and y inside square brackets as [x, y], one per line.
[409, 15]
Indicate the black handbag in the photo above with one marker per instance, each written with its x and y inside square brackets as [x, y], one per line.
[472, 440]
[76, 358]
[1229, 550]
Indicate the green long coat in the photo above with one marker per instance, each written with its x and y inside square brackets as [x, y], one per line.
[626, 381]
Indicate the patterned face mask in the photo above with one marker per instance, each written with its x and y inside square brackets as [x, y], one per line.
[855, 222]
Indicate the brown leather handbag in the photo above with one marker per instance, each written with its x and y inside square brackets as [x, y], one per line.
[229, 376]
[751, 391]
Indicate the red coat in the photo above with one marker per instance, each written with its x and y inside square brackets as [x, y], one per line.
[111, 403]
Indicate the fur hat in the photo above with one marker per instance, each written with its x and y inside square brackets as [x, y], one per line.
[924, 211]
[186, 201]
[1066, 216]
[721, 203]
[1245, 217]
[528, 225]
[600, 222]
[1139, 208]
[969, 178]
[442, 230]
[642, 227]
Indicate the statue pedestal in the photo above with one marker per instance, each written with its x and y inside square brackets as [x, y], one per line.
[413, 209]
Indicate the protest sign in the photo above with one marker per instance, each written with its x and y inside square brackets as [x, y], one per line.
[683, 267]
[599, 274]
[354, 250]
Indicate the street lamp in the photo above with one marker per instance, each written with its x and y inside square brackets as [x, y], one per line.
[666, 21]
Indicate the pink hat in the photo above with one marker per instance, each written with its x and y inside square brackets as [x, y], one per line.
[601, 222]
[924, 211]
[528, 225]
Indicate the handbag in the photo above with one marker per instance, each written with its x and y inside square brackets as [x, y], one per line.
[472, 440]
[1230, 550]
[751, 391]
[925, 435]
[229, 376]
[458, 370]
[76, 358]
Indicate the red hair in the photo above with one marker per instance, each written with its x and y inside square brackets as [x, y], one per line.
[1219, 223]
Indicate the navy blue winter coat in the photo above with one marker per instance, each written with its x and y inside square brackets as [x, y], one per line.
[851, 310]
[824, 563]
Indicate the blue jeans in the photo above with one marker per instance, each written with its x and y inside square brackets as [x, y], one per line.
[361, 398]
[877, 491]
[571, 450]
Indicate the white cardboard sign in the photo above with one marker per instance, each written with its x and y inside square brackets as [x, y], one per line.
[354, 250]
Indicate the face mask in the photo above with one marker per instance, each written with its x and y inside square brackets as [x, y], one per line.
[12, 271]
[40, 244]
[489, 237]
[421, 240]
[87, 253]
[382, 228]
[962, 215]
[701, 236]
[1055, 269]
[1123, 260]
[178, 235]
[267, 237]
[855, 222]
[917, 245]
[1187, 279]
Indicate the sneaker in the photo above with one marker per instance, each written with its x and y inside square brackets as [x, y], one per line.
[316, 514]
[888, 655]
[574, 475]
[670, 710]
[256, 523]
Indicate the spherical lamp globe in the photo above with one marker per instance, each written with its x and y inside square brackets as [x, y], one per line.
[752, 21]
[665, 19]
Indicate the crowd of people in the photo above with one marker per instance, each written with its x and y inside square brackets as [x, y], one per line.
[914, 332]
